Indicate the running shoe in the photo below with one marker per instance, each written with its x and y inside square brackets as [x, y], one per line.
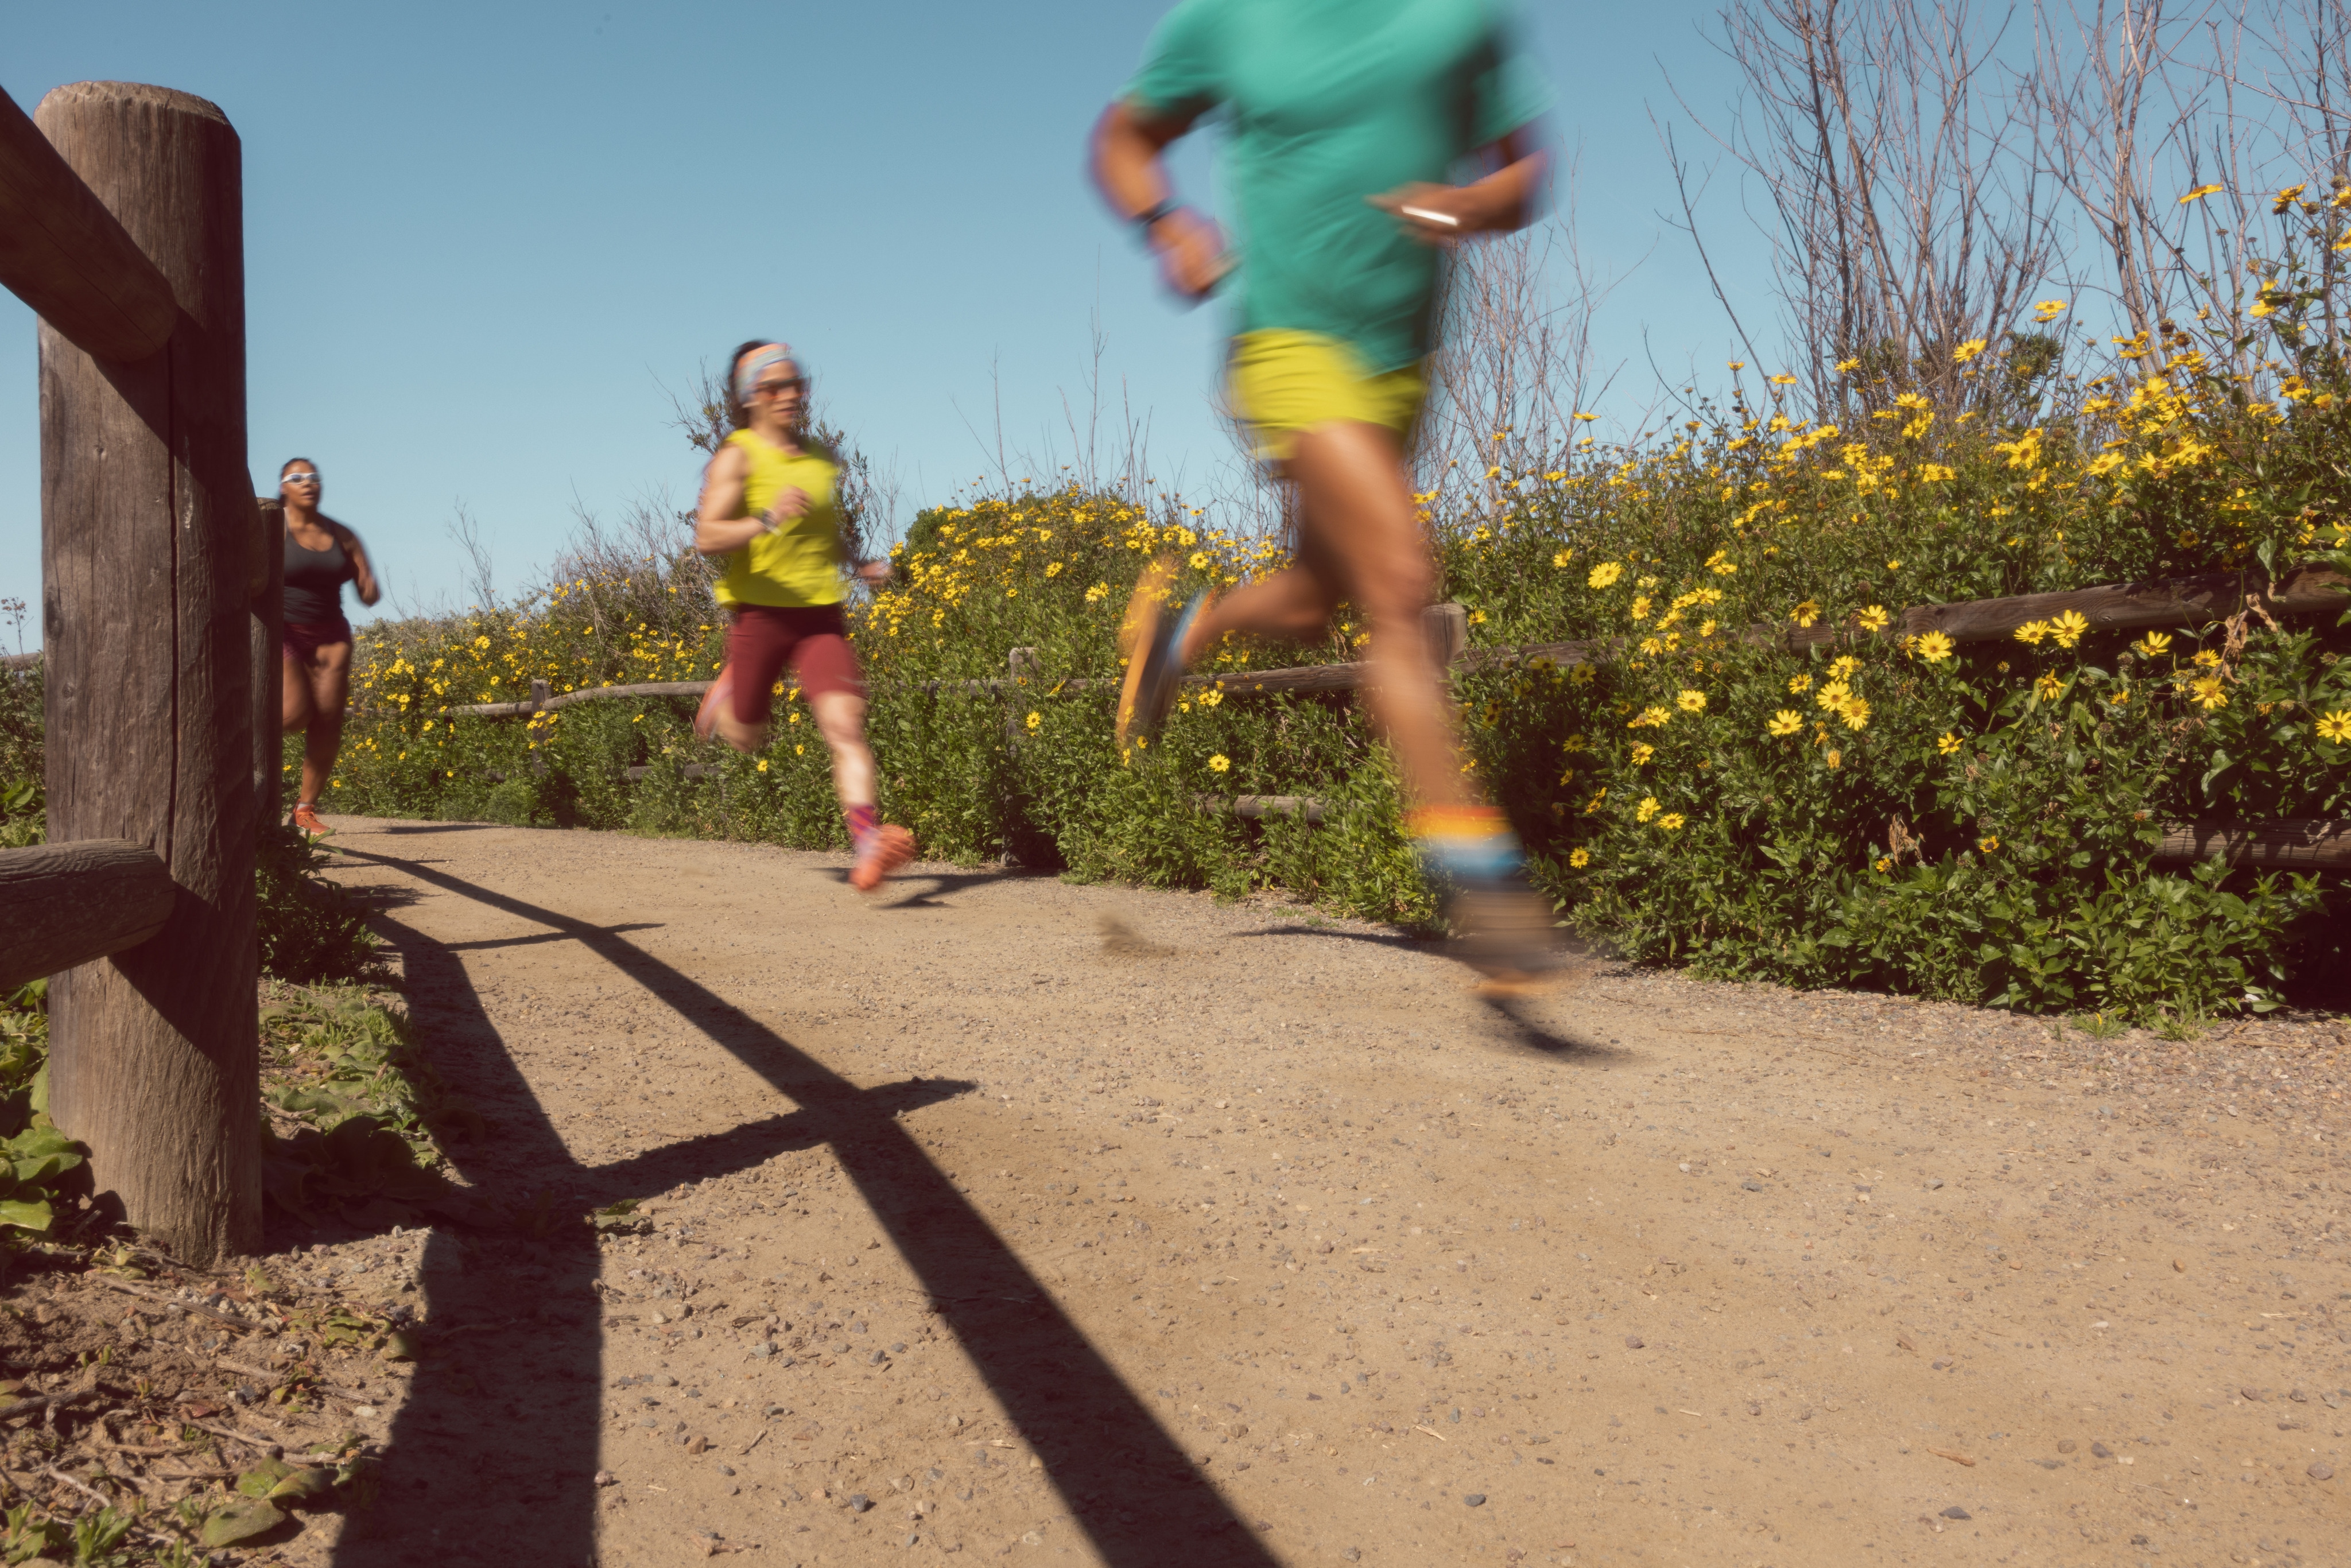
[306, 820]
[890, 848]
[1504, 929]
[706, 718]
[1152, 642]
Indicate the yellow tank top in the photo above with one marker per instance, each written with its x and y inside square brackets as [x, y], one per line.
[801, 562]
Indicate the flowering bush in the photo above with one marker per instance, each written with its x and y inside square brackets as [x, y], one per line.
[1963, 820]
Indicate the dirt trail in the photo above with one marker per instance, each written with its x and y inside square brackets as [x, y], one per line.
[1003, 1216]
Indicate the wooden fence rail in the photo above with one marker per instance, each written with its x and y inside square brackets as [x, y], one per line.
[64, 904]
[2129, 606]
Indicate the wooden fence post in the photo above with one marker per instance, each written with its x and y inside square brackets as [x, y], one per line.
[1447, 627]
[147, 519]
[265, 631]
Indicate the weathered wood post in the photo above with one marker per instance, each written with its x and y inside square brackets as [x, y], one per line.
[147, 517]
[265, 634]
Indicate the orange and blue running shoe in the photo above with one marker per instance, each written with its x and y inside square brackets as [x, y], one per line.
[1152, 642]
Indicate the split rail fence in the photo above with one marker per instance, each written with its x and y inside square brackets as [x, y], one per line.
[2286, 845]
[121, 225]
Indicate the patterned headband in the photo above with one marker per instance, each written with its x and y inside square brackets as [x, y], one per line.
[752, 365]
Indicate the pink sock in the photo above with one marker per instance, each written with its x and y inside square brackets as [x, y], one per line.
[863, 823]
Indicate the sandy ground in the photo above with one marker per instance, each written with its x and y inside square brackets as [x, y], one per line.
[1000, 1216]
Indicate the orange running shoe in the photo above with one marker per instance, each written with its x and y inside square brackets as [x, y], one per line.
[890, 848]
[706, 718]
[305, 818]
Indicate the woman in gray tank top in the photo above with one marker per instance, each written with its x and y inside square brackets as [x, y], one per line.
[322, 555]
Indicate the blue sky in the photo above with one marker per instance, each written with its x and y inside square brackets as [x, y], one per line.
[480, 239]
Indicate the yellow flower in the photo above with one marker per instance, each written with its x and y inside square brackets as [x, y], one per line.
[1966, 350]
[2334, 726]
[2209, 694]
[1579, 859]
[1647, 809]
[1806, 613]
[1784, 380]
[2048, 689]
[1035, 719]
[1854, 712]
[1594, 803]
[1847, 366]
[1885, 862]
[1097, 591]
[2032, 633]
[2207, 659]
[1874, 618]
[1835, 758]
[1642, 753]
[1199, 560]
[1563, 557]
[2069, 627]
[1785, 722]
[2048, 309]
[1219, 763]
[1717, 564]
[1800, 683]
[763, 764]
[1651, 718]
[1947, 743]
[1604, 575]
[1671, 821]
[2200, 193]
[1054, 570]
[1641, 607]
[1691, 702]
[1987, 845]
[1934, 647]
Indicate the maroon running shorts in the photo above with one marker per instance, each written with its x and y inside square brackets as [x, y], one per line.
[813, 639]
[301, 641]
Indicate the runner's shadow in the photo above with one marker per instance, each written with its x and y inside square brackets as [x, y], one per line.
[1376, 939]
[499, 1440]
[942, 884]
[1530, 1034]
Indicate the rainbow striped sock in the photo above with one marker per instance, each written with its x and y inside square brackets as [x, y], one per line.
[864, 822]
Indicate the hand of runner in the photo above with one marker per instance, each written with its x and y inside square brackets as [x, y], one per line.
[1192, 255]
[1424, 209]
[792, 502]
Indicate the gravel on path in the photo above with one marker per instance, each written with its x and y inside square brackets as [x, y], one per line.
[1002, 1215]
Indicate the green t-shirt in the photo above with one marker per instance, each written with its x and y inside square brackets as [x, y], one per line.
[1331, 102]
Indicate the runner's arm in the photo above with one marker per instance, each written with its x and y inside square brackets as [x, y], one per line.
[1128, 140]
[362, 569]
[719, 524]
[1507, 199]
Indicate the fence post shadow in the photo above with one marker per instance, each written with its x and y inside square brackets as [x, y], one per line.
[1129, 1487]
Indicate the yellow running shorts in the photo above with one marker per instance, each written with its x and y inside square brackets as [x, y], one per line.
[1284, 383]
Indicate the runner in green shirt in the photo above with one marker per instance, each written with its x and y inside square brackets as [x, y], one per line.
[1348, 120]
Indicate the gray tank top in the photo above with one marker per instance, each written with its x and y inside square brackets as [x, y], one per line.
[314, 582]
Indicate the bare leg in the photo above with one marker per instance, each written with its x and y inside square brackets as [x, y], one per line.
[840, 719]
[1361, 542]
[329, 680]
[743, 737]
[295, 685]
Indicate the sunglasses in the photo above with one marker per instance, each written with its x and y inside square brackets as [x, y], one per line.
[777, 388]
[300, 479]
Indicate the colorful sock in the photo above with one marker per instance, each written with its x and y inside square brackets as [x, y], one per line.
[864, 822]
[1464, 842]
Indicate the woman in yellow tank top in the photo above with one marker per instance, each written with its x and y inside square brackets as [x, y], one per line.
[767, 505]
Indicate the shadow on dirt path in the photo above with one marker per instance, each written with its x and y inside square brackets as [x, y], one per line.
[507, 1424]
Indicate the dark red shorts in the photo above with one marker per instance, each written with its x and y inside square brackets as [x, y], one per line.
[812, 639]
[301, 641]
